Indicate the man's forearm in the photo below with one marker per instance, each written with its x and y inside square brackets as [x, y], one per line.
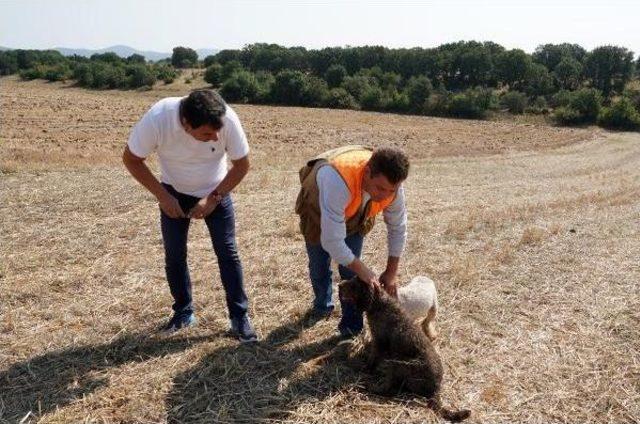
[393, 263]
[141, 173]
[235, 175]
[362, 271]
[356, 266]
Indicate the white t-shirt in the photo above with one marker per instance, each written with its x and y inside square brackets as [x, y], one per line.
[191, 166]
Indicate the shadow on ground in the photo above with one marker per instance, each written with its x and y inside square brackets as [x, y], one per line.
[55, 379]
[261, 382]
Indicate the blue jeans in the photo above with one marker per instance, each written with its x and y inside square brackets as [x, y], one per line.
[320, 274]
[221, 225]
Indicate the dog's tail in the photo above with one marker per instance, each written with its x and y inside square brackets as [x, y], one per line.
[454, 416]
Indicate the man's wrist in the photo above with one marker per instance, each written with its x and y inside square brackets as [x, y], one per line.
[216, 195]
[162, 194]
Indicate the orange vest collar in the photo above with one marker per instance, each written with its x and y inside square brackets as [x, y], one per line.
[351, 167]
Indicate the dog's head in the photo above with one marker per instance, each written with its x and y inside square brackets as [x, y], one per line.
[358, 292]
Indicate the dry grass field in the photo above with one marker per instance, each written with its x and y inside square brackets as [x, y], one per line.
[531, 233]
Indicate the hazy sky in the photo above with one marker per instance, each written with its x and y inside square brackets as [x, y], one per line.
[162, 24]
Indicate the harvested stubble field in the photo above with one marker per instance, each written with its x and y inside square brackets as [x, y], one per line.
[530, 232]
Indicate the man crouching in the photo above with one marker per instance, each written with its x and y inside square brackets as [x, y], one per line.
[343, 190]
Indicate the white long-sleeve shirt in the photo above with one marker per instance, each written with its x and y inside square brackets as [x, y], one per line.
[334, 198]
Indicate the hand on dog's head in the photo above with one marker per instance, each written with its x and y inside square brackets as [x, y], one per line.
[359, 293]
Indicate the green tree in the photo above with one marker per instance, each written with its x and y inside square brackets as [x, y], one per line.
[227, 55]
[265, 83]
[60, 72]
[588, 102]
[397, 101]
[26, 58]
[438, 103]
[230, 68]
[578, 107]
[139, 76]
[108, 57]
[466, 64]
[633, 94]
[339, 98]
[289, 87]
[315, 91]
[213, 74]
[136, 58]
[8, 63]
[184, 57]
[210, 60]
[513, 68]
[568, 73]
[36, 72]
[372, 98]
[241, 87]
[335, 75]
[550, 55]
[418, 90]
[166, 73]
[357, 84]
[514, 101]
[105, 75]
[472, 104]
[609, 68]
[539, 81]
[538, 106]
[621, 115]
[83, 74]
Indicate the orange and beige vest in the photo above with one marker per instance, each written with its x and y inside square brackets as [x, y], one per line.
[350, 162]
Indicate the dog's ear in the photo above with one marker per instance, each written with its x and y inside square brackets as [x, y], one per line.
[365, 296]
[345, 291]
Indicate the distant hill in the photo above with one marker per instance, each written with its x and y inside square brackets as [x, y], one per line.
[124, 51]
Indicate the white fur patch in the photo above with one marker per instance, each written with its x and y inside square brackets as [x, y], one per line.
[418, 297]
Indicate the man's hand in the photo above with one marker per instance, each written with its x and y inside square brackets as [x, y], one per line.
[389, 280]
[363, 272]
[170, 206]
[204, 207]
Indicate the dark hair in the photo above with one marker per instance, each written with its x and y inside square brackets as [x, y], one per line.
[390, 162]
[203, 107]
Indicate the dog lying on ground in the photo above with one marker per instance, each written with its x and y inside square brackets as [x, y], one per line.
[419, 300]
[402, 355]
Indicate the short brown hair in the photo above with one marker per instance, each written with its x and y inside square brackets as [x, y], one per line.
[203, 107]
[390, 162]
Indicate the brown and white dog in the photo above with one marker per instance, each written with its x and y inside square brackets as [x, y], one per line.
[399, 351]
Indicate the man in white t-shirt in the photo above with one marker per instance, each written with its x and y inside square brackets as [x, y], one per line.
[193, 136]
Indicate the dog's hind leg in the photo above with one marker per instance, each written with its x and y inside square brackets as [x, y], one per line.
[387, 378]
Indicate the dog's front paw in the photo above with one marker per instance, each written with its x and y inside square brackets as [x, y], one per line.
[373, 359]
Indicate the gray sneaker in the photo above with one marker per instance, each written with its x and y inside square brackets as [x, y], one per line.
[242, 329]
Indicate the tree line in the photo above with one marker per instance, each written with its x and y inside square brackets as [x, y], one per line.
[467, 79]
[100, 71]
